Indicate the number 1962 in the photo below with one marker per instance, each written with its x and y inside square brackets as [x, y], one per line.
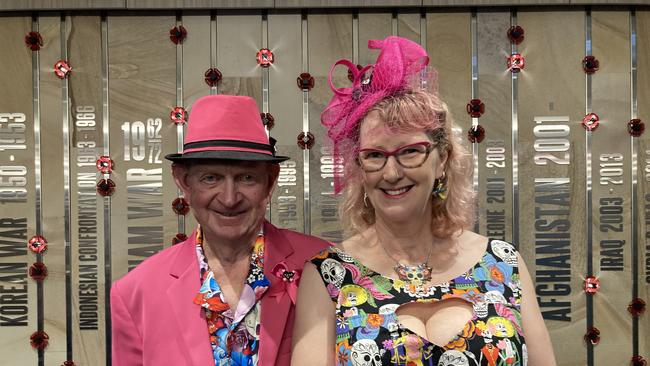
[142, 141]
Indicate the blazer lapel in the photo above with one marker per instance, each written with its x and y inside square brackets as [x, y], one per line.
[276, 302]
[189, 318]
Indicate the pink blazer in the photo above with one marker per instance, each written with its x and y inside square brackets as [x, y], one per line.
[155, 322]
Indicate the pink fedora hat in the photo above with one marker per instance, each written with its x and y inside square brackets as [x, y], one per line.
[226, 127]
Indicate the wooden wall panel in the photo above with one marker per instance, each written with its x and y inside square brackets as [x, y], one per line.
[87, 229]
[372, 26]
[285, 105]
[611, 186]
[552, 182]
[408, 25]
[330, 39]
[17, 217]
[495, 152]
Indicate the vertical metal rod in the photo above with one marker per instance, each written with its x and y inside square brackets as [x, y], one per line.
[588, 192]
[355, 36]
[423, 29]
[394, 24]
[36, 107]
[265, 70]
[213, 47]
[179, 102]
[306, 208]
[475, 146]
[67, 212]
[108, 274]
[515, 142]
[634, 197]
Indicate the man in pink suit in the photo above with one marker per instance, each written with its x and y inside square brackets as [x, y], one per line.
[226, 295]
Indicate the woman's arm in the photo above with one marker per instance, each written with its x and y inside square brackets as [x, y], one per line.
[313, 331]
[538, 342]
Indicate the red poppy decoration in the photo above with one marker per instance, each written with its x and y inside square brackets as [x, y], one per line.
[516, 34]
[306, 140]
[591, 121]
[39, 340]
[516, 62]
[62, 69]
[635, 127]
[591, 285]
[37, 244]
[105, 187]
[590, 64]
[179, 238]
[592, 336]
[178, 34]
[34, 41]
[264, 57]
[38, 271]
[180, 206]
[68, 363]
[105, 164]
[638, 361]
[213, 77]
[475, 108]
[350, 76]
[305, 81]
[636, 307]
[476, 134]
[267, 120]
[178, 115]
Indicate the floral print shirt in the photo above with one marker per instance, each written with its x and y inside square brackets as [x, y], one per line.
[234, 334]
[369, 333]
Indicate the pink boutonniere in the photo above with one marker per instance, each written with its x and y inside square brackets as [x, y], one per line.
[289, 279]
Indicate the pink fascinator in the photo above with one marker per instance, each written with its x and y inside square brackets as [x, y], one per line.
[399, 64]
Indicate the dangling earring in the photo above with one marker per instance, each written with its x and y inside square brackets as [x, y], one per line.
[365, 199]
[439, 189]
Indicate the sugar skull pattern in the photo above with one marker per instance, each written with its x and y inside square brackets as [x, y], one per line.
[368, 332]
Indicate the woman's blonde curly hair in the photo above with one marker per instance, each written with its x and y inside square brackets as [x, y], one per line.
[414, 110]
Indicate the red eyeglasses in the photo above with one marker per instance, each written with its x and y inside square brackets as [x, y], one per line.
[408, 156]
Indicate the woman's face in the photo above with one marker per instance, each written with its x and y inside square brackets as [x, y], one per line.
[398, 194]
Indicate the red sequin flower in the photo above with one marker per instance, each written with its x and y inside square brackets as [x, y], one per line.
[591, 285]
[264, 57]
[105, 187]
[34, 41]
[476, 134]
[38, 271]
[636, 307]
[638, 361]
[180, 237]
[635, 127]
[213, 76]
[68, 363]
[178, 34]
[305, 81]
[37, 244]
[62, 69]
[475, 108]
[178, 115]
[591, 121]
[590, 64]
[516, 62]
[267, 120]
[306, 140]
[180, 206]
[104, 164]
[39, 340]
[592, 336]
[516, 34]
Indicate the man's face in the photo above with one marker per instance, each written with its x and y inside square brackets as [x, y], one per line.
[228, 198]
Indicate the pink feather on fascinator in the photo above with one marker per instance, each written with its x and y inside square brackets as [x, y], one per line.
[399, 63]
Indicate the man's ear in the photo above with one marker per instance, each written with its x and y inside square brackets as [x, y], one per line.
[180, 172]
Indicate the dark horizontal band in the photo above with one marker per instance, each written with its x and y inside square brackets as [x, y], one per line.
[229, 143]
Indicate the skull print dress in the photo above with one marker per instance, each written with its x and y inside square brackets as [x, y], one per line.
[368, 332]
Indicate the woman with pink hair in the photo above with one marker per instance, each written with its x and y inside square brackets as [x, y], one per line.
[411, 285]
